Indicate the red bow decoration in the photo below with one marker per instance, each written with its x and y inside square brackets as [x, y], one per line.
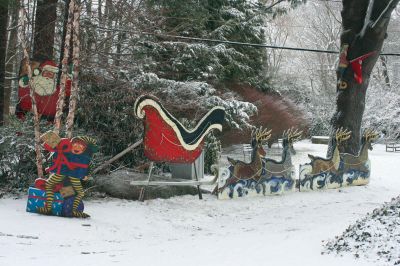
[356, 65]
[63, 146]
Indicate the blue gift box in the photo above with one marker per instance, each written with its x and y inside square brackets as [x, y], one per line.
[37, 198]
[67, 206]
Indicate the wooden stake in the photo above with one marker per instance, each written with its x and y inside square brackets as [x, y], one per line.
[64, 75]
[36, 118]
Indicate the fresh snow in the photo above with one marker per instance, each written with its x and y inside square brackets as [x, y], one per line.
[278, 230]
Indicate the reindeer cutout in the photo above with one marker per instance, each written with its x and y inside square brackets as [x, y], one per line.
[356, 168]
[245, 176]
[324, 172]
[279, 176]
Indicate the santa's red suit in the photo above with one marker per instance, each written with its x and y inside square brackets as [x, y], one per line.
[44, 80]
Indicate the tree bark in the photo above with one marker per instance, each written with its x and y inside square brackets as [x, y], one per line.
[75, 60]
[36, 118]
[12, 58]
[3, 45]
[44, 28]
[364, 26]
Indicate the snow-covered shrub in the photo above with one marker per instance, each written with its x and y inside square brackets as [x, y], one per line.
[198, 97]
[106, 111]
[17, 154]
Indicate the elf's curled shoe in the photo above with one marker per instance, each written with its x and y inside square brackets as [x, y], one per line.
[79, 214]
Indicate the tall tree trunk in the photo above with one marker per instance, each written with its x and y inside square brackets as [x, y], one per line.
[36, 118]
[75, 60]
[3, 45]
[46, 14]
[385, 72]
[12, 58]
[364, 26]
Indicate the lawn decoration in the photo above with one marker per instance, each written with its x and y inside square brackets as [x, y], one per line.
[323, 173]
[262, 176]
[280, 175]
[167, 140]
[356, 65]
[343, 64]
[356, 168]
[44, 85]
[246, 175]
[70, 163]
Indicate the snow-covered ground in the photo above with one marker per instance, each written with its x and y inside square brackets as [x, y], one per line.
[278, 230]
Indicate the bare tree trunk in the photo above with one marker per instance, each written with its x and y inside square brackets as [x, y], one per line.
[385, 70]
[46, 15]
[3, 45]
[39, 158]
[11, 57]
[364, 26]
[64, 62]
[75, 61]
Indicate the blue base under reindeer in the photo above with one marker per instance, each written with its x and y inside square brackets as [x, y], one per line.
[329, 180]
[252, 188]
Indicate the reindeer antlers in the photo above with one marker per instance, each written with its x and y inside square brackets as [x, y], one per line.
[262, 135]
[342, 134]
[370, 135]
[292, 134]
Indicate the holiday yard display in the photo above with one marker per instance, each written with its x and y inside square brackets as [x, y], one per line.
[44, 86]
[61, 194]
[341, 169]
[167, 140]
[69, 165]
[262, 176]
[356, 66]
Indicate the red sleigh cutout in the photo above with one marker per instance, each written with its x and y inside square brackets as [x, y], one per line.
[167, 140]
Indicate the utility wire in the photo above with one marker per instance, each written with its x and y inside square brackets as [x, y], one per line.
[261, 45]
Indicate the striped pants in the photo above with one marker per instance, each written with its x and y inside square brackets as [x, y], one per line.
[56, 179]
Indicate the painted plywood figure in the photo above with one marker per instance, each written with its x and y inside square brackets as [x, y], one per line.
[341, 169]
[279, 176]
[44, 80]
[70, 163]
[321, 172]
[262, 176]
[244, 177]
[166, 139]
[356, 169]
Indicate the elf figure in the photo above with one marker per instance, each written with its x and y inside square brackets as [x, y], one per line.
[70, 159]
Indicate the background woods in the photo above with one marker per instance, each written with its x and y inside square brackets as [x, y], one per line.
[132, 47]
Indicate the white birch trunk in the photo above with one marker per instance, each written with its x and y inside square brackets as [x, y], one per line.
[36, 117]
[75, 60]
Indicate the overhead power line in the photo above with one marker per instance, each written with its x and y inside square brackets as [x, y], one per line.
[257, 45]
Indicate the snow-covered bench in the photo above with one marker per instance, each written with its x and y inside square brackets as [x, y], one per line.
[393, 147]
[247, 149]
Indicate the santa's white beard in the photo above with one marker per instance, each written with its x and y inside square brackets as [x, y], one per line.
[43, 86]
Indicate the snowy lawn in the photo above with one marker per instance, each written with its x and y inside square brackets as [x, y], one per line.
[278, 230]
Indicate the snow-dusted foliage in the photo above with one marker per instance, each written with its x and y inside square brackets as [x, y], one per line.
[309, 79]
[17, 154]
[198, 96]
[376, 236]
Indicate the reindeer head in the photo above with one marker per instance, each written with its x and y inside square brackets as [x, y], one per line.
[368, 137]
[259, 137]
[289, 137]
